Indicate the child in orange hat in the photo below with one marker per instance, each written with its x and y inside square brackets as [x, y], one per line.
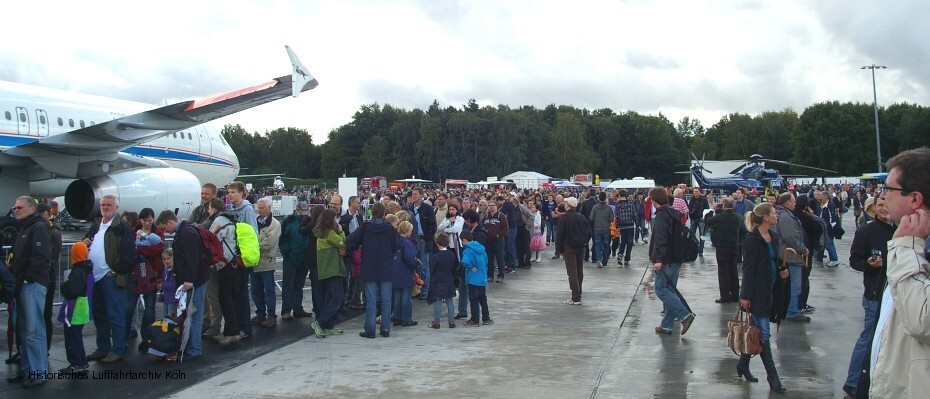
[75, 310]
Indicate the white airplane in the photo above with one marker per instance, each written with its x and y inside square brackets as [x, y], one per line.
[55, 143]
[277, 184]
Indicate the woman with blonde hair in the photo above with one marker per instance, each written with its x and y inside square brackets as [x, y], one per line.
[760, 266]
[402, 280]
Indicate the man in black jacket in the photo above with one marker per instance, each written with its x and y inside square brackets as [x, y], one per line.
[664, 264]
[425, 231]
[696, 207]
[190, 272]
[30, 268]
[572, 229]
[726, 227]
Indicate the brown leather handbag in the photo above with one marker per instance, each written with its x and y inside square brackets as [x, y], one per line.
[743, 336]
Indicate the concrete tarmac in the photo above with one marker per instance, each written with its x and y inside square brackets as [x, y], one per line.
[538, 346]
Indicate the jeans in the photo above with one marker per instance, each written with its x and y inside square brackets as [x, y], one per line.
[797, 276]
[30, 305]
[148, 316]
[666, 279]
[550, 231]
[463, 295]
[403, 306]
[510, 247]
[74, 345]
[574, 267]
[863, 343]
[198, 300]
[831, 250]
[437, 310]
[765, 328]
[316, 291]
[377, 291]
[292, 286]
[696, 229]
[243, 275]
[333, 296]
[109, 312]
[601, 246]
[227, 292]
[626, 243]
[496, 255]
[423, 252]
[263, 294]
[477, 296]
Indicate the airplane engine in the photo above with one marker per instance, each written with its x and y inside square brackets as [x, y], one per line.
[156, 188]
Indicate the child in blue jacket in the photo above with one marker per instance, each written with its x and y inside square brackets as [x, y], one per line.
[475, 262]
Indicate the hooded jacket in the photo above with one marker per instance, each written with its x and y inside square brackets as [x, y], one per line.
[474, 256]
[405, 262]
[187, 245]
[329, 262]
[292, 243]
[378, 241]
[268, 236]
[31, 251]
[601, 216]
[790, 232]
[76, 311]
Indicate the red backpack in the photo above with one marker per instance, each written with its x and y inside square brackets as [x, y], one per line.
[212, 252]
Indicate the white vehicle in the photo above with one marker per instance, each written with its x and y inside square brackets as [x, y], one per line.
[55, 143]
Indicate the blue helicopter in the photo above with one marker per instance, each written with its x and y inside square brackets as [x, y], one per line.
[750, 175]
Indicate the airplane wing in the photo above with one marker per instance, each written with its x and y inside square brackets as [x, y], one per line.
[263, 175]
[118, 134]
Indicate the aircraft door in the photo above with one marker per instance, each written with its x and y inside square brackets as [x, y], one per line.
[42, 118]
[205, 148]
[22, 118]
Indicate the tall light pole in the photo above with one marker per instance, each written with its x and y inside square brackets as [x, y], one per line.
[878, 142]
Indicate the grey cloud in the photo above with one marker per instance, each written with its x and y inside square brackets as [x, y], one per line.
[642, 59]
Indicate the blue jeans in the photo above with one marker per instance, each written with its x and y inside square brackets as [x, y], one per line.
[263, 294]
[463, 295]
[333, 297]
[109, 309]
[831, 250]
[765, 328]
[292, 286]
[496, 255]
[666, 278]
[30, 303]
[626, 243]
[423, 252]
[601, 246]
[403, 306]
[550, 231]
[376, 291]
[696, 229]
[862, 344]
[797, 276]
[437, 310]
[511, 247]
[198, 300]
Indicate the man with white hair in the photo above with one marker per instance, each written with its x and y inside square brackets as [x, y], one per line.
[263, 289]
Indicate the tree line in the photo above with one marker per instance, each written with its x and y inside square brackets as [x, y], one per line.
[474, 142]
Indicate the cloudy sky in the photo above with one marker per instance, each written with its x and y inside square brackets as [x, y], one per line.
[701, 59]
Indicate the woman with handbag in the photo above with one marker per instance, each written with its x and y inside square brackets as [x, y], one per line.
[760, 258]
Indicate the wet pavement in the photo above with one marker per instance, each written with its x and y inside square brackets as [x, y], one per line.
[538, 347]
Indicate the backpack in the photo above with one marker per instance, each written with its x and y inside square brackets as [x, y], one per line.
[246, 241]
[212, 251]
[683, 247]
[142, 279]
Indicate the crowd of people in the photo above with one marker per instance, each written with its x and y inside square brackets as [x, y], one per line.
[383, 251]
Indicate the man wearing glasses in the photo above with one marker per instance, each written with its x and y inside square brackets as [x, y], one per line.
[901, 343]
[30, 267]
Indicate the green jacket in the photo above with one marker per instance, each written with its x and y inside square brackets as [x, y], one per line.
[728, 228]
[329, 262]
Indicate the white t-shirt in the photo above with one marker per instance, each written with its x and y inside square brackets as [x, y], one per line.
[98, 253]
[887, 308]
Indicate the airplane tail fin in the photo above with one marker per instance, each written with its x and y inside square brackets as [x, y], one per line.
[300, 76]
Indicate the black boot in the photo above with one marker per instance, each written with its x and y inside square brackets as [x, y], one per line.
[769, 364]
[742, 369]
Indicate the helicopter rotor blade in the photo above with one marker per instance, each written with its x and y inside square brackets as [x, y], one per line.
[797, 164]
[735, 171]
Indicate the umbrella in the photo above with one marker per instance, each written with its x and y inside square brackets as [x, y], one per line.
[186, 332]
[10, 327]
[781, 291]
[675, 290]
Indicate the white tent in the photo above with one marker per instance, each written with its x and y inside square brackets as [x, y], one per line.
[524, 179]
[632, 184]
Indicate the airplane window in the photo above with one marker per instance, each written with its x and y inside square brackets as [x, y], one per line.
[92, 123]
[71, 122]
[8, 115]
[175, 135]
[61, 122]
[82, 124]
[22, 117]
[189, 137]
[42, 119]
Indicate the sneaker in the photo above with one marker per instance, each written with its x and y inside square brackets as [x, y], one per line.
[385, 333]
[510, 270]
[366, 335]
[270, 322]
[850, 391]
[626, 263]
[571, 302]
[809, 309]
[488, 322]
[833, 263]
[434, 324]
[111, 358]
[799, 319]
[333, 331]
[287, 316]
[317, 329]
[686, 323]
[555, 257]
[461, 316]
[257, 320]
[244, 335]
[499, 280]
[471, 323]
[451, 324]
[662, 330]
[599, 265]
[227, 340]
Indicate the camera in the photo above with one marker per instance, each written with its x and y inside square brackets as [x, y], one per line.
[876, 253]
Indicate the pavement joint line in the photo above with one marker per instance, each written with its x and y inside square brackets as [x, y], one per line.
[603, 367]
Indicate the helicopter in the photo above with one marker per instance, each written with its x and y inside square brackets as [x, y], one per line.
[278, 183]
[750, 175]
